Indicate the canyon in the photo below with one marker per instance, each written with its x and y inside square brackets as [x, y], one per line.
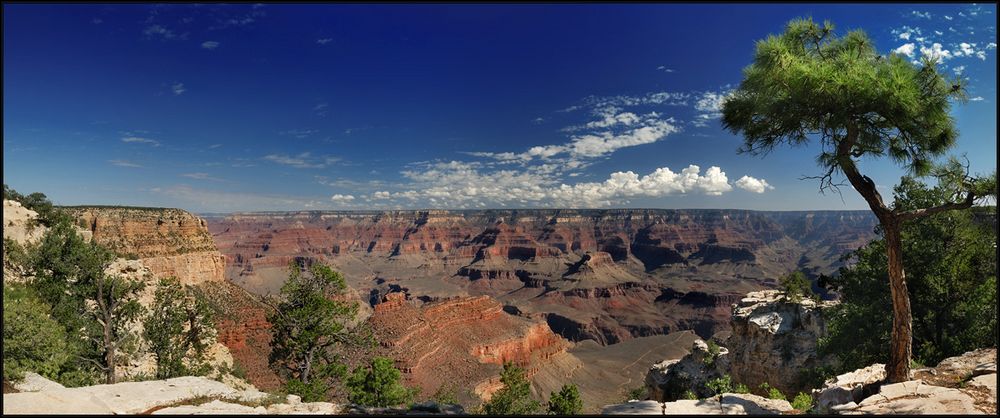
[585, 296]
[602, 275]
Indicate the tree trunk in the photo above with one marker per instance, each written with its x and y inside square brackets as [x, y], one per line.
[901, 345]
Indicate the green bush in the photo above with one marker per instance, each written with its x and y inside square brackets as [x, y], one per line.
[802, 402]
[720, 385]
[796, 286]
[32, 340]
[638, 392]
[713, 353]
[314, 391]
[688, 394]
[566, 402]
[514, 398]
[179, 330]
[378, 385]
[771, 392]
[446, 394]
[741, 388]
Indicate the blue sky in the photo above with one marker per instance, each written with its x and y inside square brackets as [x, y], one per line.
[242, 107]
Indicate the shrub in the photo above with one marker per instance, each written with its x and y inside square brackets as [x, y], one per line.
[378, 385]
[772, 393]
[445, 394]
[32, 340]
[713, 353]
[636, 393]
[796, 286]
[566, 402]
[514, 398]
[802, 402]
[741, 388]
[178, 328]
[688, 394]
[720, 385]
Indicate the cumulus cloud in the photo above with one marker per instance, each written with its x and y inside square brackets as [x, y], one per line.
[158, 30]
[921, 15]
[906, 49]
[342, 198]
[178, 89]
[753, 185]
[936, 51]
[210, 45]
[124, 163]
[140, 140]
[905, 36]
[976, 99]
[458, 184]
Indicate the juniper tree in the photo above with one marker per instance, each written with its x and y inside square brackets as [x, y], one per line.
[178, 326]
[378, 384]
[808, 84]
[309, 320]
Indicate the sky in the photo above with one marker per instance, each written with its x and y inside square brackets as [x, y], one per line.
[255, 107]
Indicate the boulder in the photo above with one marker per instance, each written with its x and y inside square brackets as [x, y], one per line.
[634, 408]
[756, 405]
[972, 363]
[847, 388]
[300, 408]
[119, 398]
[34, 382]
[215, 407]
[670, 379]
[915, 397]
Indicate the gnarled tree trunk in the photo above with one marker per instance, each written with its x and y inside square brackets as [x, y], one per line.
[901, 344]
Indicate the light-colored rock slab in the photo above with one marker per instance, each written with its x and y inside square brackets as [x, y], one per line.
[634, 408]
[756, 405]
[54, 401]
[987, 381]
[212, 408]
[914, 397]
[847, 387]
[309, 408]
[138, 397]
[34, 382]
[700, 407]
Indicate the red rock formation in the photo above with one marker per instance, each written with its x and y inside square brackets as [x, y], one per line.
[460, 341]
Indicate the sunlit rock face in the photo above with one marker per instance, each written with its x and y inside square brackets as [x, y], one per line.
[774, 340]
[171, 242]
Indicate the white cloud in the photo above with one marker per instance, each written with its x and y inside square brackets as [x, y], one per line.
[324, 41]
[201, 176]
[178, 89]
[159, 30]
[209, 45]
[936, 52]
[303, 160]
[946, 17]
[753, 185]
[924, 15]
[214, 146]
[342, 198]
[459, 184]
[300, 133]
[976, 99]
[905, 49]
[124, 163]
[905, 35]
[665, 69]
[140, 140]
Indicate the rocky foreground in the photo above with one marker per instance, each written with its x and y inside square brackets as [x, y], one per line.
[773, 338]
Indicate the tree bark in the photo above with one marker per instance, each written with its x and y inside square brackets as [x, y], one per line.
[901, 343]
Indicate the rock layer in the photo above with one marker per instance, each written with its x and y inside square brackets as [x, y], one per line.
[171, 242]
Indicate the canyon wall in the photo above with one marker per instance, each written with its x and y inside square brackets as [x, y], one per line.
[604, 275]
[171, 242]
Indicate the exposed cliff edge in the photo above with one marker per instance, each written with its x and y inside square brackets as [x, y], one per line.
[773, 340]
[171, 242]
